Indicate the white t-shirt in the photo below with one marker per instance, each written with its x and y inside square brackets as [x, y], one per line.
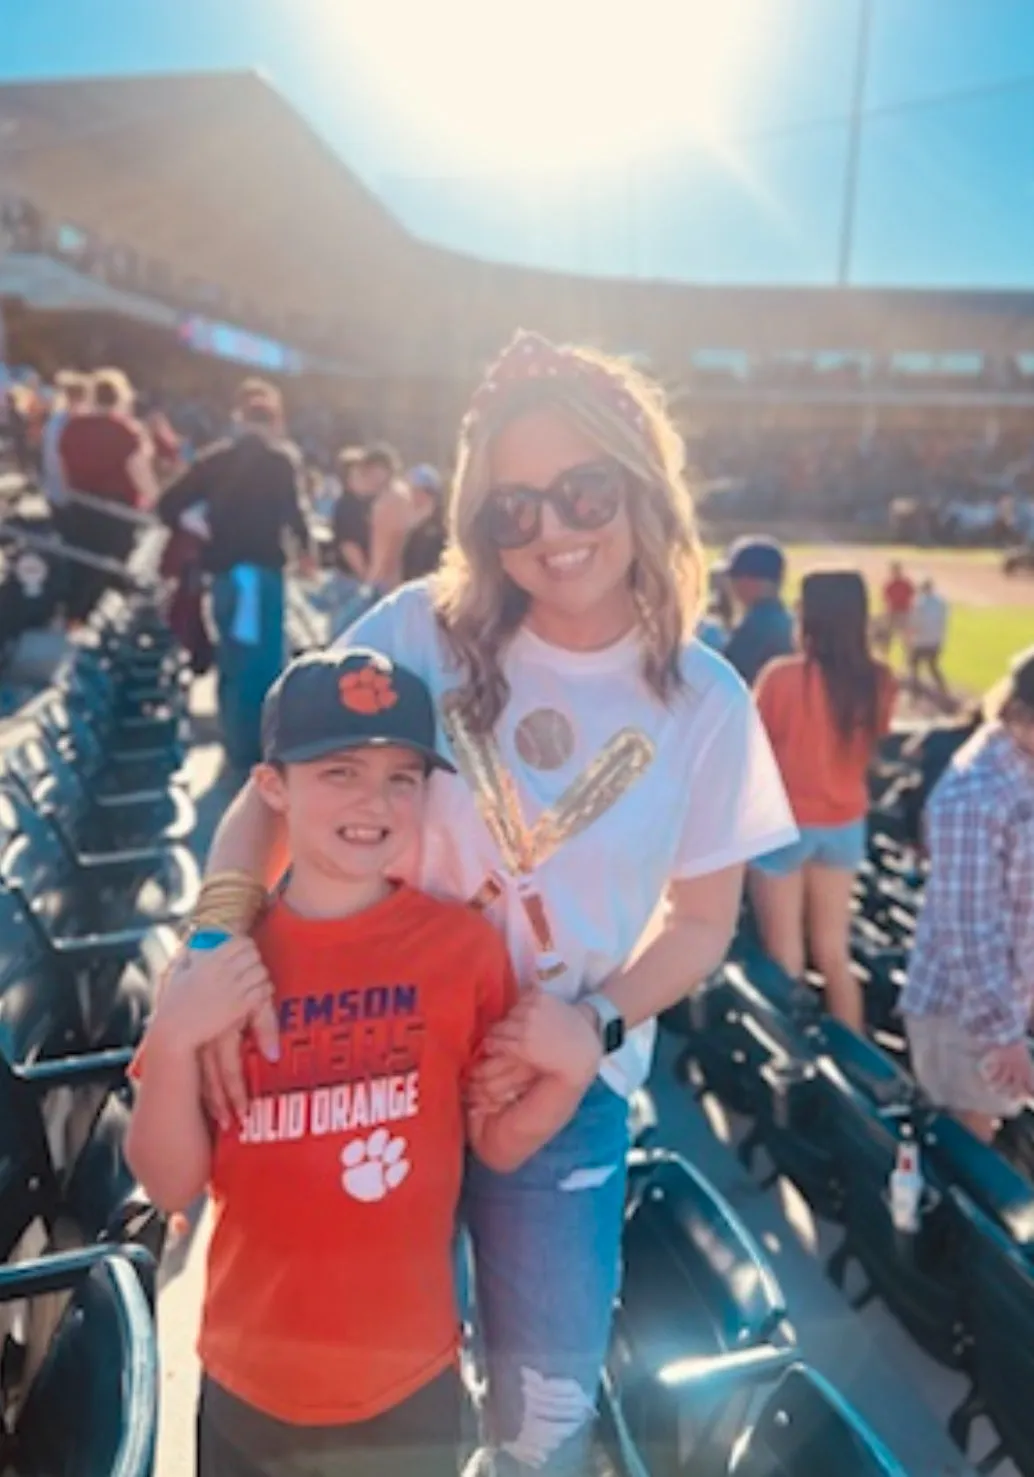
[711, 796]
[928, 624]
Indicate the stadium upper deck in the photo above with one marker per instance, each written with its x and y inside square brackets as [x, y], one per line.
[211, 191]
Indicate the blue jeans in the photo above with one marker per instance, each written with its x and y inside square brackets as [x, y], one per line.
[547, 1259]
[246, 672]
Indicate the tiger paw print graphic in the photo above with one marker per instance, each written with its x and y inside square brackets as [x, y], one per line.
[371, 1168]
[367, 691]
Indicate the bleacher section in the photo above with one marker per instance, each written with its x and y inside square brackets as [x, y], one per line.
[829, 1112]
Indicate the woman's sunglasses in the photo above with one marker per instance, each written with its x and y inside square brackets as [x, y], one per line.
[584, 498]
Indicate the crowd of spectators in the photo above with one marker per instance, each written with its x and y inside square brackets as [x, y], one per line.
[960, 487]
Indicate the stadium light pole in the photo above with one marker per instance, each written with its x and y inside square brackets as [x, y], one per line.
[854, 142]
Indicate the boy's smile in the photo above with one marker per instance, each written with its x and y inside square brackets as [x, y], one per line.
[351, 817]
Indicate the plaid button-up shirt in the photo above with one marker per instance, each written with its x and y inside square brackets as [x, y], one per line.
[974, 948]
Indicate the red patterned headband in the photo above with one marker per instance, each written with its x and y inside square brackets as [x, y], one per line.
[529, 357]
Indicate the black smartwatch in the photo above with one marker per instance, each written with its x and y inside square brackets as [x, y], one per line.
[610, 1023]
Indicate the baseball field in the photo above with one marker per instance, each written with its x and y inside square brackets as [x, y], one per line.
[992, 614]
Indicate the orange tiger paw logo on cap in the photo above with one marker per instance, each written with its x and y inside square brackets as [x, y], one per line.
[367, 691]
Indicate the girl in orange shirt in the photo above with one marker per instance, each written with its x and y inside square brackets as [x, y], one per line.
[825, 710]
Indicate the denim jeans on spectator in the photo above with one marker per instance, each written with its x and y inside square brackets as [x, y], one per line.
[247, 670]
[547, 1258]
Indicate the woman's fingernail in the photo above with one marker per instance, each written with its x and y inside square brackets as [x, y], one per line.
[271, 1051]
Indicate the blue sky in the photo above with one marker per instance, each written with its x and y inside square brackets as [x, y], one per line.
[679, 145]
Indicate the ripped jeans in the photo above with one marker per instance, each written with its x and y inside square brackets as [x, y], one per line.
[547, 1259]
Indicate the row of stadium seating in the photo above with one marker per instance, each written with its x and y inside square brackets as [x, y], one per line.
[832, 1113]
[704, 1376]
[93, 874]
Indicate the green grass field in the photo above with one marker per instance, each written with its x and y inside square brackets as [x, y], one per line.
[982, 640]
[983, 635]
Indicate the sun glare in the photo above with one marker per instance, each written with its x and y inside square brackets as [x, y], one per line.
[553, 85]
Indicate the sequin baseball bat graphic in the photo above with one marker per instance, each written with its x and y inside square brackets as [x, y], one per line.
[622, 760]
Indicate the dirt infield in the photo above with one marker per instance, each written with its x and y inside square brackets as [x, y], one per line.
[963, 576]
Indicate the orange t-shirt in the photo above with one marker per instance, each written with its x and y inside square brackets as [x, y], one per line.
[825, 777]
[330, 1286]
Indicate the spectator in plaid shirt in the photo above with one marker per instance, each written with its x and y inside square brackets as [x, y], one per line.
[970, 990]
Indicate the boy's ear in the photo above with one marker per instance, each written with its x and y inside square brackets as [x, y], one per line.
[271, 783]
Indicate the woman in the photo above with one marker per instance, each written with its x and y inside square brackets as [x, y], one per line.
[825, 710]
[370, 522]
[425, 540]
[610, 765]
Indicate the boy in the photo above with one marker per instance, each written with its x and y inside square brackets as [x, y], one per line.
[329, 1333]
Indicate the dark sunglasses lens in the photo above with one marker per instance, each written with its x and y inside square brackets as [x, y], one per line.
[512, 516]
[588, 497]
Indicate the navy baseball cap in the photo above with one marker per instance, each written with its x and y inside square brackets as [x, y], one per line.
[756, 558]
[329, 701]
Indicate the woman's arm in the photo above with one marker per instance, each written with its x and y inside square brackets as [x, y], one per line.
[390, 520]
[354, 559]
[140, 471]
[168, 1143]
[251, 837]
[686, 940]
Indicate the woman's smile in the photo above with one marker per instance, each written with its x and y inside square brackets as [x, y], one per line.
[566, 564]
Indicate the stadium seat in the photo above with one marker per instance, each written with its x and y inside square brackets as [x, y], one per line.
[749, 988]
[74, 897]
[111, 770]
[918, 1276]
[999, 1296]
[642, 1118]
[700, 1318]
[806, 1427]
[91, 1407]
[754, 1043]
[74, 994]
[96, 824]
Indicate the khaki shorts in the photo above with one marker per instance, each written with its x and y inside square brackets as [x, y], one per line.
[946, 1061]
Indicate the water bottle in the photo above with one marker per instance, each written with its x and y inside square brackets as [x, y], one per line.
[906, 1186]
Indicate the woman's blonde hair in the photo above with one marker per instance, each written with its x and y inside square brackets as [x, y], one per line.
[110, 389]
[478, 605]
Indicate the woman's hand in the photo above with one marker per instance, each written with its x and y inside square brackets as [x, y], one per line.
[498, 1082]
[549, 1035]
[207, 1002]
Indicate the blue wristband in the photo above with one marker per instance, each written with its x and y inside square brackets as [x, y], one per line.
[208, 938]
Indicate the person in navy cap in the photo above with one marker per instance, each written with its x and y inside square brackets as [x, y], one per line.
[755, 571]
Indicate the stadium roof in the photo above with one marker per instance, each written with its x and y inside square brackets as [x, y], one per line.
[218, 176]
[214, 174]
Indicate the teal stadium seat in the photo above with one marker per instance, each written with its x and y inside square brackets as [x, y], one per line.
[806, 1429]
[1000, 1316]
[91, 1407]
[699, 1316]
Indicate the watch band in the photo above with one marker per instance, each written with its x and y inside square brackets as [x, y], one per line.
[610, 1023]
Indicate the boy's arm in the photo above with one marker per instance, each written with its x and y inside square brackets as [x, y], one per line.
[505, 1139]
[504, 1136]
[169, 1144]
